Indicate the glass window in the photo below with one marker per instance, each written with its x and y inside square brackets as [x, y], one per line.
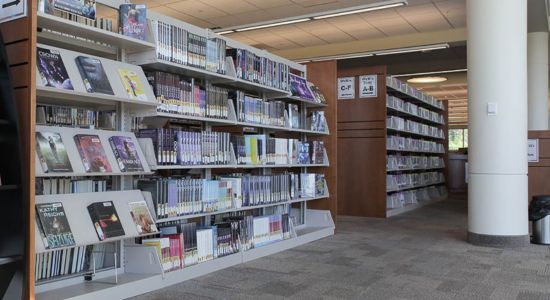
[458, 138]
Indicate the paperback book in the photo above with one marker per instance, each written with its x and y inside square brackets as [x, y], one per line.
[132, 84]
[133, 20]
[52, 153]
[298, 88]
[94, 77]
[142, 217]
[54, 225]
[126, 154]
[52, 70]
[105, 219]
[92, 153]
[317, 94]
[82, 8]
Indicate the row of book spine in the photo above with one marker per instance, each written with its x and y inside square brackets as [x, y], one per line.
[400, 143]
[412, 91]
[62, 262]
[184, 245]
[401, 199]
[407, 162]
[74, 117]
[401, 181]
[54, 186]
[413, 109]
[258, 69]
[399, 123]
[178, 147]
[263, 150]
[180, 46]
[252, 109]
[177, 95]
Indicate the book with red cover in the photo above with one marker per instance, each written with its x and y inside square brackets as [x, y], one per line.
[92, 153]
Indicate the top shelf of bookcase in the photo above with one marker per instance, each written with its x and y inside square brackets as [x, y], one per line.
[411, 98]
[89, 32]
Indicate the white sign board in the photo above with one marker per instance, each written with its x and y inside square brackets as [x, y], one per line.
[12, 9]
[346, 88]
[533, 150]
[368, 86]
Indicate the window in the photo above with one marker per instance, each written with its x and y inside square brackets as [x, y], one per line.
[458, 138]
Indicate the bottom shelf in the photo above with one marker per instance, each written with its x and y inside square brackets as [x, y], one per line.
[409, 207]
[130, 284]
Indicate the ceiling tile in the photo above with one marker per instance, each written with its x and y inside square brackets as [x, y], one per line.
[356, 27]
[393, 26]
[325, 31]
[183, 17]
[264, 4]
[297, 35]
[231, 7]
[196, 9]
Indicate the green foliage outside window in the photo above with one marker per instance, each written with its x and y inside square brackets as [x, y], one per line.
[458, 138]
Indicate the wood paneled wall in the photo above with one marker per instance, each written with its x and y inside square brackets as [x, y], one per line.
[323, 75]
[20, 38]
[539, 173]
[361, 125]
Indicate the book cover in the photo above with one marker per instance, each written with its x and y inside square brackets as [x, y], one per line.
[319, 97]
[54, 224]
[298, 88]
[92, 153]
[82, 8]
[52, 153]
[52, 70]
[133, 20]
[105, 219]
[126, 154]
[132, 84]
[142, 217]
[94, 77]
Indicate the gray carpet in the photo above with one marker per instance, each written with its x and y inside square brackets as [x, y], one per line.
[419, 255]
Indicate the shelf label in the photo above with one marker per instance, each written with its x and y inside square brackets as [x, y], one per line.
[533, 150]
[368, 86]
[346, 88]
[12, 9]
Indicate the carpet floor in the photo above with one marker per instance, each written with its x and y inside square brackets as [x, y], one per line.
[418, 255]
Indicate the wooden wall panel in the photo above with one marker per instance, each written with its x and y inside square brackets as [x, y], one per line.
[20, 38]
[539, 172]
[323, 75]
[362, 148]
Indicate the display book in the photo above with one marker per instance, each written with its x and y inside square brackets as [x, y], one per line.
[407, 182]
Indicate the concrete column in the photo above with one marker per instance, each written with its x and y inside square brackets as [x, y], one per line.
[537, 80]
[497, 106]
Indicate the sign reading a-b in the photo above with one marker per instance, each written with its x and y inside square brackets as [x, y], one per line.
[12, 9]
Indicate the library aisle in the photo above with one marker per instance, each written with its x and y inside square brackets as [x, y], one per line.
[417, 255]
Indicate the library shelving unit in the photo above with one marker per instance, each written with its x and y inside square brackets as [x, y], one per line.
[131, 268]
[396, 145]
[12, 250]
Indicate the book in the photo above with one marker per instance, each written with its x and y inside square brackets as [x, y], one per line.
[54, 225]
[133, 20]
[132, 84]
[126, 154]
[317, 94]
[298, 88]
[105, 219]
[52, 153]
[52, 70]
[82, 8]
[142, 217]
[92, 153]
[93, 75]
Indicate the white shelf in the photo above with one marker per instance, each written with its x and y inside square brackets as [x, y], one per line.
[89, 32]
[132, 284]
[410, 207]
[282, 128]
[55, 96]
[235, 166]
[411, 98]
[199, 215]
[414, 133]
[415, 169]
[403, 113]
[191, 118]
[82, 228]
[414, 187]
[307, 102]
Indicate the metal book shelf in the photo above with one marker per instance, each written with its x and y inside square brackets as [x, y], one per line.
[116, 51]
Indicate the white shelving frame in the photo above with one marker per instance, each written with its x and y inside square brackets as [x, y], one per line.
[133, 276]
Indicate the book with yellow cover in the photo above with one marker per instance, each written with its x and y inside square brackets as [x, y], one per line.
[132, 84]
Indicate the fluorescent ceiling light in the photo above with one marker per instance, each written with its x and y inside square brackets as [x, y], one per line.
[314, 16]
[273, 24]
[413, 49]
[358, 11]
[431, 73]
[427, 79]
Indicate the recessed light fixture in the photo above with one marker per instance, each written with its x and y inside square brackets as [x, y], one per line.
[315, 16]
[427, 79]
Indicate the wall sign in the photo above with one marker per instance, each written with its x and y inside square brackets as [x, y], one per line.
[533, 150]
[368, 87]
[12, 9]
[346, 88]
